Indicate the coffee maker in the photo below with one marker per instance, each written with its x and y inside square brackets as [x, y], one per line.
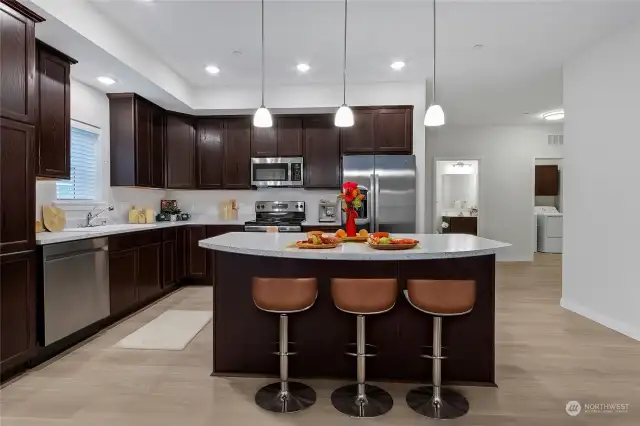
[328, 211]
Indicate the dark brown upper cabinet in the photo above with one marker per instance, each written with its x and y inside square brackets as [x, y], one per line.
[321, 152]
[358, 139]
[136, 134]
[379, 130]
[209, 152]
[158, 130]
[17, 186]
[264, 141]
[547, 180]
[290, 136]
[393, 131]
[236, 164]
[18, 62]
[180, 149]
[53, 139]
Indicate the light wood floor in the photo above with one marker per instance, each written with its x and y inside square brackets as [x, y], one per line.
[546, 356]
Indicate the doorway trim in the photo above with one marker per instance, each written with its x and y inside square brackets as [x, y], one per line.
[434, 176]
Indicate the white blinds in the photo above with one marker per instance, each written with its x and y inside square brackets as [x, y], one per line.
[83, 184]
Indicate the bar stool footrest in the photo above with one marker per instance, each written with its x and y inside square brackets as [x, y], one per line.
[370, 350]
[277, 352]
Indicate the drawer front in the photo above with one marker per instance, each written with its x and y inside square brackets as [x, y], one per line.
[134, 239]
[170, 234]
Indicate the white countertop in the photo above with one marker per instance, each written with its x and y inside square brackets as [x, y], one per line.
[44, 238]
[431, 246]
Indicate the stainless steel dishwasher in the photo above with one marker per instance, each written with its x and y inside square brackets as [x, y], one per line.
[76, 286]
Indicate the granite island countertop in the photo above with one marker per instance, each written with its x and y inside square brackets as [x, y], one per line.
[431, 246]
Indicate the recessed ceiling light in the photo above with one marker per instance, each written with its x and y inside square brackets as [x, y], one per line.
[478, 46]
[303, 67]
[212, 69]
[553, 115]
[106, 80]
[397, 65]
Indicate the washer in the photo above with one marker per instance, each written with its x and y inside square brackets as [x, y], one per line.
[549, 229]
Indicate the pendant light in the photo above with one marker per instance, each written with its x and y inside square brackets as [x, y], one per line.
[435, 115]
[262, 117]
[344, 116]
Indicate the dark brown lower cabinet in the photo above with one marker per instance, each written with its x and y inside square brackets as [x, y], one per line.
[123, 267]
[149, 282]
[197, 258]
[182, 249]
[169, 263]
[17, 308]
[214, 231]
[461, 225]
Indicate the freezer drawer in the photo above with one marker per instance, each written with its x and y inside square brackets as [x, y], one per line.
[76, 286]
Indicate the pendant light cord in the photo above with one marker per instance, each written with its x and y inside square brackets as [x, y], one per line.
[262, 104]
[434, 52]
[344, 58]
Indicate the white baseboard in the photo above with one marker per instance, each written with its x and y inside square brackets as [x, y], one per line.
[607, 321]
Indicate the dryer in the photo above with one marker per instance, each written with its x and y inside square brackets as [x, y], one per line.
[549, 229]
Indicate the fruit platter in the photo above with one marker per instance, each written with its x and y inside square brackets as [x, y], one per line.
[383, 241]
[318, 240]
[360, 237]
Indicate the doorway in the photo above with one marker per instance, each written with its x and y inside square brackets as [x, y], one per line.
[456, 196]
[548, 206]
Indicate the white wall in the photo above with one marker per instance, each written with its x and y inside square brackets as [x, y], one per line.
[602, 140]
[90, 106]
[327, 98]
[507, 155]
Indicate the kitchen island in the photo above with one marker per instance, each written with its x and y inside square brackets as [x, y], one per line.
[244, 336]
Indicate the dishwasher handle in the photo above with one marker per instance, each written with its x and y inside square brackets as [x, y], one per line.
[76, 253]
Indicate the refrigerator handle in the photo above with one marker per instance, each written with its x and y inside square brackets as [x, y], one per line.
[377, 204]
[372, 203]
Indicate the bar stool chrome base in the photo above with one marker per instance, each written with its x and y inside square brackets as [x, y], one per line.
[452, 404]
[376, 401]
[298, 397]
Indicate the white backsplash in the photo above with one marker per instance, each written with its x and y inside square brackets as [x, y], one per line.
[207, 203]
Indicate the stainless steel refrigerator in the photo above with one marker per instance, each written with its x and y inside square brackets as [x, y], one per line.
[389, 184]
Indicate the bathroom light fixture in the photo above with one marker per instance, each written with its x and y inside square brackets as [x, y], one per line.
[303, 67]
[262, 117]
[435, 115]
[212, 69]
[553, 115]
[106, 80]
[344, 115]
[397, 65]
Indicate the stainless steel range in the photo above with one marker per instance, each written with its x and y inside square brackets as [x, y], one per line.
[287, 216]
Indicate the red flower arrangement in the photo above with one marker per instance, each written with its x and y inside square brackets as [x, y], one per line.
[351, 201]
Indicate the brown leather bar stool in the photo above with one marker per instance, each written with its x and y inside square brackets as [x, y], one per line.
[285, 296]
[363, 297]
[440, 298]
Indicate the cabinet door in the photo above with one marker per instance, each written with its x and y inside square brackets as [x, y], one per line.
[393, 131]
[182, 251]
[17, 66]
[209, 151]
[123, 275]
[180, 151]
[321, 152]
[157, 147]
[289, 136]
[17, 308]
[264, 141]
[197, 255]
[359, 139]
[237, 153]
[54, 116]
[149, 279]
[143, 143]
[169, 255]
[214, 231]
[547, 180]
[17, 186]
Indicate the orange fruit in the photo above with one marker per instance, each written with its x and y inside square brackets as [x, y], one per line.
[341, 233]
[363, 233]
[381, 234]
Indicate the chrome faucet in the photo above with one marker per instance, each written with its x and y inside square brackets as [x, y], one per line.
[91, 216]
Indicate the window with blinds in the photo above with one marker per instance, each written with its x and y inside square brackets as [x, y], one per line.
[83, 184]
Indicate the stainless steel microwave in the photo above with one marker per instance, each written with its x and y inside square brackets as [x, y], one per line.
[279, 171]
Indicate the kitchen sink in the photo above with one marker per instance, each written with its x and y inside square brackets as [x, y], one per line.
[109, 228]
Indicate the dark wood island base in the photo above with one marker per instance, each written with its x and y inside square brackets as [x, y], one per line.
[244, 336]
